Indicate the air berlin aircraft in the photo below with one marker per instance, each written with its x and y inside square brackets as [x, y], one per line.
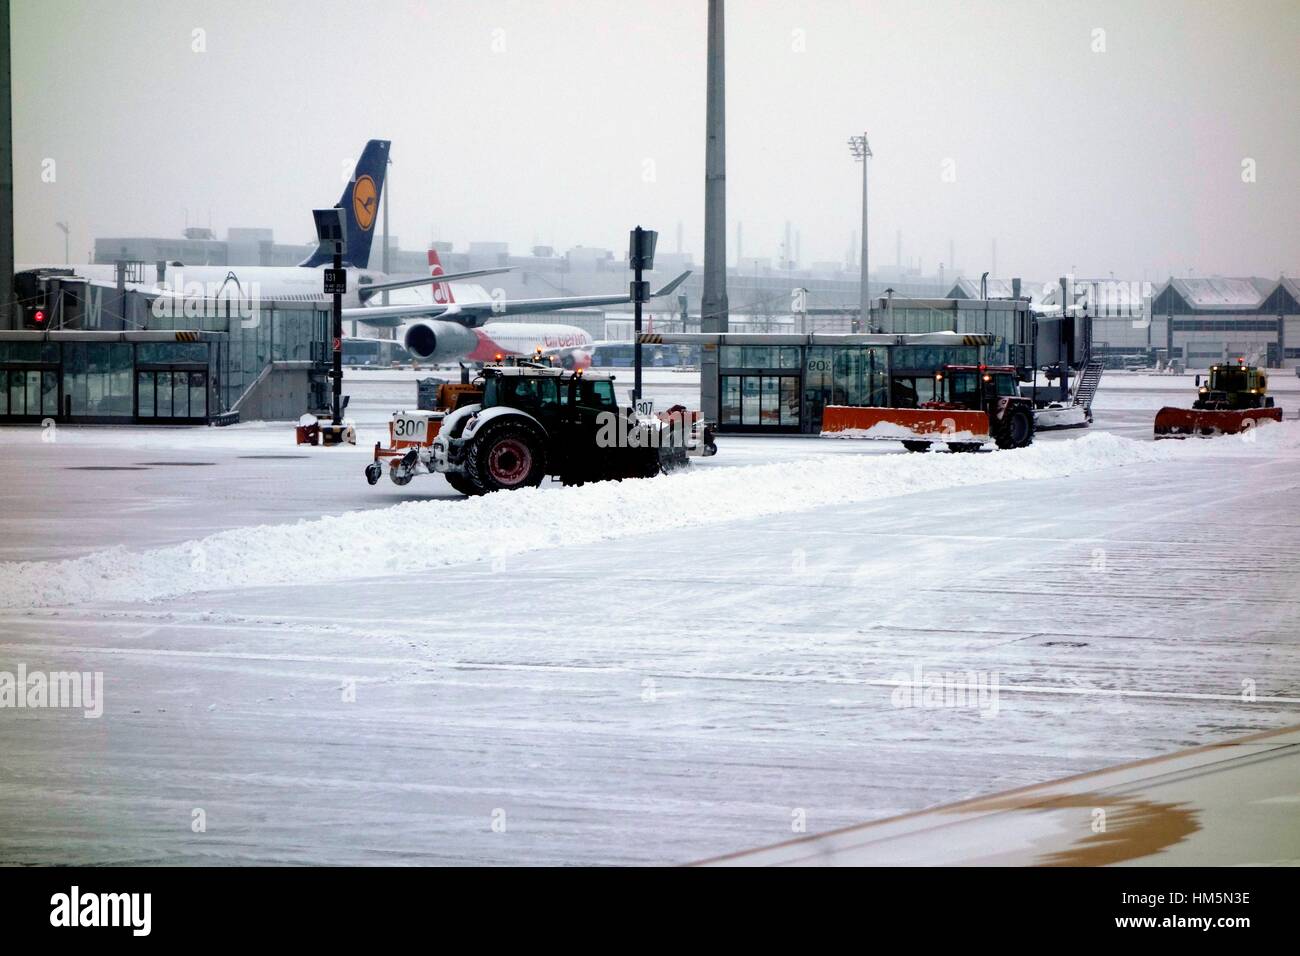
[442, 340]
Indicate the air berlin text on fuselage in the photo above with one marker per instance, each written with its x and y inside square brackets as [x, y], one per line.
[562, 341]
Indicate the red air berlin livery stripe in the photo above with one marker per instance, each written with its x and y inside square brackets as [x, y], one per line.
[442, 293]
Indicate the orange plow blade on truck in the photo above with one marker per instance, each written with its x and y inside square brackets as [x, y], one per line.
[1182, 422]
[906, 424]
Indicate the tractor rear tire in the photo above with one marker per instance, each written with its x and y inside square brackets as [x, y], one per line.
[917, 446]
[462, 483]
[510, 454]
[1015, 429]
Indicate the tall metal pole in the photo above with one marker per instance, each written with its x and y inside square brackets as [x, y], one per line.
[636, 337]
[8, 314]
[713, 303]
[861, 151]
[865, 294]
[337, 309]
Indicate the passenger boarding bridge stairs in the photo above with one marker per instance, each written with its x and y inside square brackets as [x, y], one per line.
[1089, 380]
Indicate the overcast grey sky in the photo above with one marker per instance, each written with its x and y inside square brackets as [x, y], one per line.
[566, 122]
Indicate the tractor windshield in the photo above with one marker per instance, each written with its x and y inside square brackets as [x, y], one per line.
[1007, 387]
[963, 389]
[596, 394]
[1228, 380]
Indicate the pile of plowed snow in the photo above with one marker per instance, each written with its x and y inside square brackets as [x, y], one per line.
[420, 536]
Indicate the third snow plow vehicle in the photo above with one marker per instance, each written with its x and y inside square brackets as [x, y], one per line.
[1233, 399]
[973, 405]
[524, 422]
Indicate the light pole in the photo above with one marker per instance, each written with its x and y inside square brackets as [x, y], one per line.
[714, 312]
[63, 228]
[861, 151]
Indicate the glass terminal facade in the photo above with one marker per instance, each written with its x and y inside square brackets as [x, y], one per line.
[183, 370]
[785, 387]
[781, 382]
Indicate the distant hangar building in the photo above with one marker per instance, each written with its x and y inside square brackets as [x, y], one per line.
[1212, 319]
[1198, 321]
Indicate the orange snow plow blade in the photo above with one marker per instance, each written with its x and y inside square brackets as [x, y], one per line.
[1181, 422]
[905, 424]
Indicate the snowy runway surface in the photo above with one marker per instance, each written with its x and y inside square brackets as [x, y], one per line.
[653, 672]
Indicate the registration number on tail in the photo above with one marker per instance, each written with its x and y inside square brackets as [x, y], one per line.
[410, 428]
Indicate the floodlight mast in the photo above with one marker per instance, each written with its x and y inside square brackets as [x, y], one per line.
[861, 151]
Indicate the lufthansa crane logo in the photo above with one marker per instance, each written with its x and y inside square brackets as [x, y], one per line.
[365, 201]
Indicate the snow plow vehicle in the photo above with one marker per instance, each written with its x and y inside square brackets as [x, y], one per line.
[1233, 399]
[524, 422]
[973, 406]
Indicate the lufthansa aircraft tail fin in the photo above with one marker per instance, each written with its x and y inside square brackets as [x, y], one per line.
[360, 204]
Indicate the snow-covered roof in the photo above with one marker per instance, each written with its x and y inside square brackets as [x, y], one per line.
[966, 288]
[970, 289]
[1217, 292]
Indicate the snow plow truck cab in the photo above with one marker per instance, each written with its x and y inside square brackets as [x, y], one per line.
[973, 405]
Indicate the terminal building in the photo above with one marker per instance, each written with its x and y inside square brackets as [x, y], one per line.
[781, 382]
[1206, 321]
[114, 361]
[171, 369]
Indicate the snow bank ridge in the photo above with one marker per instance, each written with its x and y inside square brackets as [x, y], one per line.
[424, 536]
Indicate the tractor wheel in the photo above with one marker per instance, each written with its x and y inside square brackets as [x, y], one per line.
[670, 459]
[655, 463]
[918, 446]
[964, 446]
[462, 483]
[1015, 429]
[509, 455]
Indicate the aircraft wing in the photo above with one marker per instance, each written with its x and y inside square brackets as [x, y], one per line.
[476, 313]
[1222, 804]
[371, 288]
[391, 316]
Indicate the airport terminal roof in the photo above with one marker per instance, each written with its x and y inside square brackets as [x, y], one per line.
[966, 288]
[1219, 292]
[1039, 293]
[1191, 293]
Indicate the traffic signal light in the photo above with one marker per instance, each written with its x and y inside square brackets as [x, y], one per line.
[36, 315]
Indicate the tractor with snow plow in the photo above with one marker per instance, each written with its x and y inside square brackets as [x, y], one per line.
[973, 406]
[523, 422]
[1233, 399]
